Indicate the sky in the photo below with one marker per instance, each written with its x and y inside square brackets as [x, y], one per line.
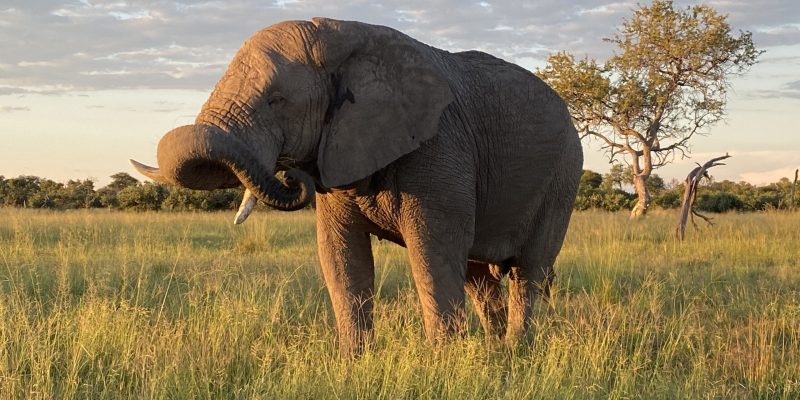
[86, 85]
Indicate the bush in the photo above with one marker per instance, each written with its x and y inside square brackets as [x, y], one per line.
[668, 199]
[719, 202]
[145, 197]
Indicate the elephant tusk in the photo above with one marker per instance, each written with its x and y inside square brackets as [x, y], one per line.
[148, 171]
[248, 202]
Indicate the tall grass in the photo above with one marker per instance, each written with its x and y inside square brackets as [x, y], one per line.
[116, 305]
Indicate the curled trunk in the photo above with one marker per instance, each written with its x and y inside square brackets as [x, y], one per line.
[204, 157]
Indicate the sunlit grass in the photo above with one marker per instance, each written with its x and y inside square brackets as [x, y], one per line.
[121, 305]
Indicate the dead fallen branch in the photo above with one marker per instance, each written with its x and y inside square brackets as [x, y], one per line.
[794, 186]
[690, 195]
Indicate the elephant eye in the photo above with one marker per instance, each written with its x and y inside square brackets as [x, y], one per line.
[276, 100]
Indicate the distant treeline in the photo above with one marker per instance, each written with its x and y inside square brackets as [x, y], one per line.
[607, 192]
[123, 193]
[596, 191]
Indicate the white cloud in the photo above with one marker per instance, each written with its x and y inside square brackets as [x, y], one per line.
[765, 177]
[149, 38]
[10, 109]
[779, 29]
[106, 72]
[37, 89]
[412, 16]
[285, 3]
[124, 16]
[607, 9]
[25, 64]
[103, 47]
[499, 28]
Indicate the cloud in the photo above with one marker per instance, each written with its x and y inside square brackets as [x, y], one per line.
[761, 167]
[765, 177]
[187, 45]
[25, 64]
[773, 22]
[609, 9]
[790, 90]
[40, 89]
[10, 109]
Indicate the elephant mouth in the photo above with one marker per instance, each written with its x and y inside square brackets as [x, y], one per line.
[204, 157]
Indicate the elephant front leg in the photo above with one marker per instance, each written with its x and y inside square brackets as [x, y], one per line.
[347, 265]
[438, 263]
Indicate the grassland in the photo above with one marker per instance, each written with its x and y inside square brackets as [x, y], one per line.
[117, 305]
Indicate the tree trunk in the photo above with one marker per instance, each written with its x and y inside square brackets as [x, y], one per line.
[794, 187]
[690, 195]
[643, 203]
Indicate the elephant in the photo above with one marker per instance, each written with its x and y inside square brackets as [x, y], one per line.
[469, 162]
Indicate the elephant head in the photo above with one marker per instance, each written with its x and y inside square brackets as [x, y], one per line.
[330, 100]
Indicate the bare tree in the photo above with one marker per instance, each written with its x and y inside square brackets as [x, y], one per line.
[690, 195]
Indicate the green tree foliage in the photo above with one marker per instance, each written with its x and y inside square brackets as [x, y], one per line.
[666, 83]
[617, 177]
[604, 192]
[119, 181]
[80, 194]
[669, 197]
[18, 191]
[589, 193]
[124, 193]
[742, 196]
[147, 196]
[610, 192]
[35, 192]
[182, 199]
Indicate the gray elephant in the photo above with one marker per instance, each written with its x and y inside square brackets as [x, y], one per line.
[468, 161]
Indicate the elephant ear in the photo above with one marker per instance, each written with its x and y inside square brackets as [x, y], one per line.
[388, 99]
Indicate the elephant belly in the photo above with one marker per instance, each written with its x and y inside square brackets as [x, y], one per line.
[502, 235]
[510, 196]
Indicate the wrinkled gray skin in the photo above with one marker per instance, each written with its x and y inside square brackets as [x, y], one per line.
[468, 161]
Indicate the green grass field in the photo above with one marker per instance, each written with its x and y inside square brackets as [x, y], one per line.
[115, 305]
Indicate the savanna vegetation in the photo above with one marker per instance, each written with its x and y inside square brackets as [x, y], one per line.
[125, 305]
[118, 305]
[666, 83]
[123, 193]
[611, 192]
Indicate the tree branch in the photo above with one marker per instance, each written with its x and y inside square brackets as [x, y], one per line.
[690, 194]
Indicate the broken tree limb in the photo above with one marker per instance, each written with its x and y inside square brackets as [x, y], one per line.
[794, 186]
[690, 195]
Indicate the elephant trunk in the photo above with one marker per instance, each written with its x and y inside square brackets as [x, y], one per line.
[205, 157]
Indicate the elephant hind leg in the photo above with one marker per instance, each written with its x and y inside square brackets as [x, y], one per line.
[484, 289]
[524, 287]
[531, 275]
